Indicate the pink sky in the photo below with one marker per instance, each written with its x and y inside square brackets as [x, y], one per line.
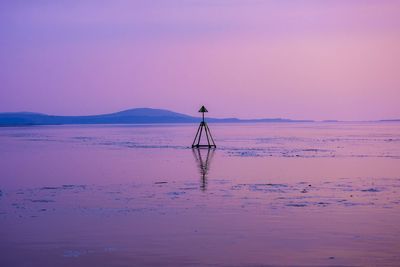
[292, 59]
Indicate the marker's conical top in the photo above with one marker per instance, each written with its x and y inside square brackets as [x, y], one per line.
[203, 109]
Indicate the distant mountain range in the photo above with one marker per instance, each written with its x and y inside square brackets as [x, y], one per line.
[131, 116]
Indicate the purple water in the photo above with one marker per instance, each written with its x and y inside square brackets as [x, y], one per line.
[323, 194]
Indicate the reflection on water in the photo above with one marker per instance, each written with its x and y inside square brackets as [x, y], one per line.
[203, 163]
[277, 195]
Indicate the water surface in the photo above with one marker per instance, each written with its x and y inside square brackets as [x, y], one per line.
[282, 194]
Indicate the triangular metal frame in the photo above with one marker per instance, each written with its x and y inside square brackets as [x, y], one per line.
[197, 139]
[203, 126]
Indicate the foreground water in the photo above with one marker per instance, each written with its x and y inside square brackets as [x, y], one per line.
[270, 194]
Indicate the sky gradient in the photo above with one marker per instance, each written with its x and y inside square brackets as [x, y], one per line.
[250, 59]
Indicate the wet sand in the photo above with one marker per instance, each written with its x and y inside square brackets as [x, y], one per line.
[269, 195]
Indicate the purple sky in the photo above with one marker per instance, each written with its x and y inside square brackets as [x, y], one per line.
[333, 59]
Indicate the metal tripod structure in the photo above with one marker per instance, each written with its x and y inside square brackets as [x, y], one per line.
[203, 126]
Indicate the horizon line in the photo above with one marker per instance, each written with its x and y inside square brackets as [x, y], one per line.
[222, 118]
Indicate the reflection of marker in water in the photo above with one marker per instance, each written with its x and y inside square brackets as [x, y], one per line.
[203, 126]
[203, 165]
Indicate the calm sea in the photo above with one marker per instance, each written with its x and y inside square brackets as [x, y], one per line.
[138, 195]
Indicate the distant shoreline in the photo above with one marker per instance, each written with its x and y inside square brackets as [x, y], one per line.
[186, 123]
[137, 116]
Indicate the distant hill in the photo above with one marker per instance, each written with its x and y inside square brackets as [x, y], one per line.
[131, 116]
[394, 120]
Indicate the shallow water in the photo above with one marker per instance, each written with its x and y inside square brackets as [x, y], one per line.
[322, 194]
